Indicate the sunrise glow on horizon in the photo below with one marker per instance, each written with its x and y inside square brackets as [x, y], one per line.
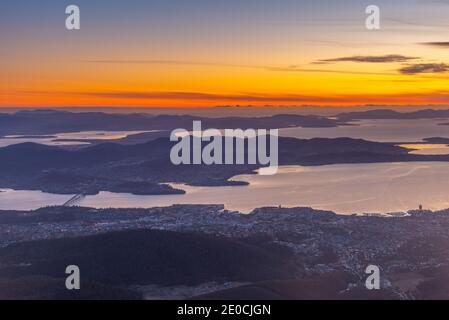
[201, 53]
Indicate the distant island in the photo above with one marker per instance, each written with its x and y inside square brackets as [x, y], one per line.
[145, 168]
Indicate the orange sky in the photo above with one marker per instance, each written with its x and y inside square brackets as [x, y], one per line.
[249, 59]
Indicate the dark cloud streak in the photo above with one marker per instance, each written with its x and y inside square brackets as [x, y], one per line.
[441, 44]
[425, 68]
[179, 95]
[369, 59]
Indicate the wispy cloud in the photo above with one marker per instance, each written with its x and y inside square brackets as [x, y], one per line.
[257, 98]
[181, 95]
[308, 70]
[407, 69]
[164, 62]
[425, 68]
[369, 59]
[442, 44]
[291, 68]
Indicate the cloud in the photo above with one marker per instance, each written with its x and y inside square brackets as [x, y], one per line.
[425, 68]
[196, 98]
[369, 59]
[291, 68]
[162, 62]
[440, 44]
[180, 95]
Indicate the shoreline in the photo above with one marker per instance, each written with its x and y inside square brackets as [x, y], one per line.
[246, 196]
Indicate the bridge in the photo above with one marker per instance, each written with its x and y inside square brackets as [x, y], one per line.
[74, 200]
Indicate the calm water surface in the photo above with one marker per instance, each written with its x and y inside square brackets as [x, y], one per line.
[345, 189]
[377, 130]
[53, 139]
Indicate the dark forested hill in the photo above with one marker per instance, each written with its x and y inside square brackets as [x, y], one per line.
[146, 257]
[141, 168]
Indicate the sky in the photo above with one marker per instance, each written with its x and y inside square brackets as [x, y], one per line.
[178, 53]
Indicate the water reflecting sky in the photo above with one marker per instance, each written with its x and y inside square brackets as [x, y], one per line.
[345, 189]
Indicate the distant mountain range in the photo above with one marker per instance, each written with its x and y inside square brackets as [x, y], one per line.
[45, 122]
[391, 114]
